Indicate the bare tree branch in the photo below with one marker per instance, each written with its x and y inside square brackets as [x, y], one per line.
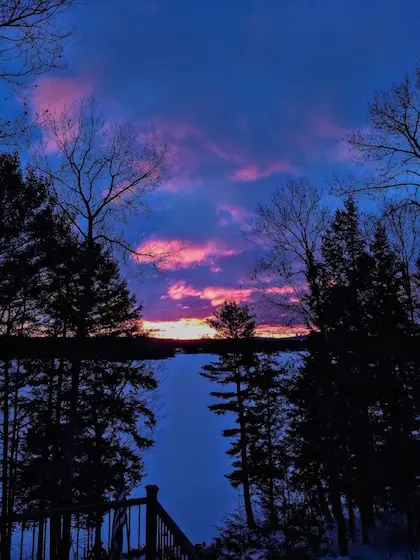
[290, 229]
[98, 171]
[392, 146]
[31, 44]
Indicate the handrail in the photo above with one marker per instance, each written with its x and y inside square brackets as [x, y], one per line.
[78, 508]
[179, 536]
[157, 519]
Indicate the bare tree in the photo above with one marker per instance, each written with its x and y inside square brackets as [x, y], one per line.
[403, 225]
[31, 40]
[290, 229]
[392, 144]
[99, 172]
[31, 44]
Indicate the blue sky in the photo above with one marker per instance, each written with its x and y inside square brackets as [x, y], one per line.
[253, 93]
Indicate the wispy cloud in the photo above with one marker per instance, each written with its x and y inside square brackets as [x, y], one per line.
[229, 213]
[175, 254]
[56, 94]
[226, 154]
[252, 173]
[183, 162]
[216, 295]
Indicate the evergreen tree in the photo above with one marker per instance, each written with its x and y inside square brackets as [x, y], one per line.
[354, 406]
[268, 456]
[113, 415]
[23, 204]
[232, 371]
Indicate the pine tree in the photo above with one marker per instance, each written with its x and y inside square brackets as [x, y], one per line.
[268, 457]
[23, 203]
[114, 420]
[354, 400]
[390, 328]
[232, 371]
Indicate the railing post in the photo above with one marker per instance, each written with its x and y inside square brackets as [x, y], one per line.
[151, 521]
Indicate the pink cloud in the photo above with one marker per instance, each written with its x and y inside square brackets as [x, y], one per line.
[174, 254]
[237, 214]
[217, 296]
[182, 182]
[180, 290]
[281, 331]
[253, 173]
[182, 163]
[182, 157]
[57, 94]
[325, 128]
[214, 294]
[342, 151]
[225, 154]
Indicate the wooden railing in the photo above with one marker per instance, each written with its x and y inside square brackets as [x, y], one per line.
[150, 533]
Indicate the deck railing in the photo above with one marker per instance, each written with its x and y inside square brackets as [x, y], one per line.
[150, 533]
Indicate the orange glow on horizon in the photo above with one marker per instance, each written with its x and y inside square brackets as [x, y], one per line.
[181, 329]
[194, 329]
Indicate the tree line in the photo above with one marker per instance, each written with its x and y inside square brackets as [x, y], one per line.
[325, 445]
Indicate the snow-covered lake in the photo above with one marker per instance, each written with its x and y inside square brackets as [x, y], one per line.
[188, 461]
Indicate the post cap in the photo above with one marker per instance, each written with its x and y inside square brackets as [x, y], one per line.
[152, 489]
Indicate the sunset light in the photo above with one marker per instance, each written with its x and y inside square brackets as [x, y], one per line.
[182, 329]
[194, 329]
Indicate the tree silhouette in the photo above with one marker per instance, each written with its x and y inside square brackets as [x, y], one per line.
[392, 143]
[23, 206]
[235, 323]
[31, 44]
[291, 227]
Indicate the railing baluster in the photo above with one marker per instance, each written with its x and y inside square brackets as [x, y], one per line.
[33, 541]
[139, 528]
[77, 535]
[109, 530]
[21, 541]
[128, 530]
[44, 538]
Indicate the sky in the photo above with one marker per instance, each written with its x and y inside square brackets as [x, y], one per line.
[253, 93]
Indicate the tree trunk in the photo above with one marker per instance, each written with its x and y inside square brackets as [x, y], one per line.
[272, 499]
[5, 552]
[244, 460]
[14, 448]
[364, 523]
[352, 522]
[40, 545]
[340, 522]
[74, 398]
[323, 503]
